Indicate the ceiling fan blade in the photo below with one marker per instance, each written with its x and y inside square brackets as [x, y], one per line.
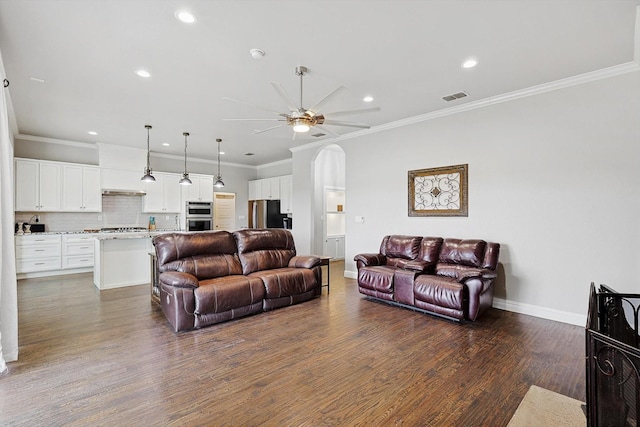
[266, 120]
[255, 132]
[348, 112]
[285, 96]
[326, 130]
[250, 104]
[324, 100]
[348, 124]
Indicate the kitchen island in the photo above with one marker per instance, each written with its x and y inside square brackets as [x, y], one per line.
[122, 259]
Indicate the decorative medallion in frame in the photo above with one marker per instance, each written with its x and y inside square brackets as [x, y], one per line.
[439, 191]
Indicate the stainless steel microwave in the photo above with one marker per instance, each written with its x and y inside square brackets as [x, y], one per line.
[199, 209]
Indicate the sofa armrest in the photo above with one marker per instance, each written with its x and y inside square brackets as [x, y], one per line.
[419, 266]
[479, 273]
[179, 280]
[307, 261]
[370, 259]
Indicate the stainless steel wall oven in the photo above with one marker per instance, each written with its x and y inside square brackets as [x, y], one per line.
[199, 216]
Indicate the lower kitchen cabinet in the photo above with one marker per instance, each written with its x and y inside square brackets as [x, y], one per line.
[36, 253]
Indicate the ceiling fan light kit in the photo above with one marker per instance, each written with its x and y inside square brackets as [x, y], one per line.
[148, 177]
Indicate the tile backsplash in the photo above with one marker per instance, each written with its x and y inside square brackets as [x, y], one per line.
[117, 211]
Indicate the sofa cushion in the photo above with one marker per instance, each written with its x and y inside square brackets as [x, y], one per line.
[464, 252]
[264, 249]
[376, 278]
[226, 293]
[204, 255]
[396, 246]
[285, 282]
[440, 291]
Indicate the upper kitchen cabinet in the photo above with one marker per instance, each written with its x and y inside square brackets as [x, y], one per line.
[163, 195]
[37, 185]
[81, 190]
[265, 189]
[201, 189]
[286, 193]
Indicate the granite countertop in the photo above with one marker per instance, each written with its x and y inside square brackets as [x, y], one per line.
[110, 235]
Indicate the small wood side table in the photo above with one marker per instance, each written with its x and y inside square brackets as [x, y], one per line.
[325, 260]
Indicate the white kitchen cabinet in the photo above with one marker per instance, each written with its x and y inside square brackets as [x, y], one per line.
[77, 250]
[163, 195]
[37, 185]
[334, 247]
[81, 191]
[201, 189]
[38, 253]
[286, 194]
[265, 189]
[270, 188]
[255, 189]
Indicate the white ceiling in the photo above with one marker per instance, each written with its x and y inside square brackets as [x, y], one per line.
[406, 54]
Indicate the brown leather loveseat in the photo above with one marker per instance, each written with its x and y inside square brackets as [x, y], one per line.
[452, 278]
[211, 277]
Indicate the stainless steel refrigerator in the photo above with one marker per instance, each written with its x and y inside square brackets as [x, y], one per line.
[266, 214]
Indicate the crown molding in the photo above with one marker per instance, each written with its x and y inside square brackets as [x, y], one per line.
[90, 145]
[276, 163]
[198, 160]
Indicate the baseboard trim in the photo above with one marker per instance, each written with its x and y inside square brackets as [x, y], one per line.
[522, 308]
[542, 312]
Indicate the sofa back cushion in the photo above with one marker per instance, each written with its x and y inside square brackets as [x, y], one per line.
[264, 249]
[430, 249]
[397, 248]
[206, 255]
[468, 252]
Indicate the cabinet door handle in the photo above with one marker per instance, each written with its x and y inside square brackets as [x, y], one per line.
[39, 250]
[39, 263]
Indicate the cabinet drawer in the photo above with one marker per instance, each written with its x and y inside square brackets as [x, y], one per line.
[77, 261]
[85, 248]
[35, 239]
[78, 238]
[42, 264]
[37, 251]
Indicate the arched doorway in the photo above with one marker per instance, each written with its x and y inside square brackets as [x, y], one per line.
[329, 202]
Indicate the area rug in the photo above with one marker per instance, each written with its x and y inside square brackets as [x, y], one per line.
[542, 407]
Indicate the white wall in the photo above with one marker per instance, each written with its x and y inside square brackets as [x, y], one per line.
[552, 177]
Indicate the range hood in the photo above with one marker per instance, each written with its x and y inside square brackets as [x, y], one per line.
[116, 192]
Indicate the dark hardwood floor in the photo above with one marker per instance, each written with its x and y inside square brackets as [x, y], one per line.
[92, 358]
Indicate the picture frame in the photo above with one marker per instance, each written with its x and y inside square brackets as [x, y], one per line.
[439, 191]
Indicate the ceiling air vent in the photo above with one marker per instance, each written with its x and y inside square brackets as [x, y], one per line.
[454, 96]
[319, 134]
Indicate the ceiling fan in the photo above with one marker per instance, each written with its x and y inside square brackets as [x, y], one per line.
[303, 119]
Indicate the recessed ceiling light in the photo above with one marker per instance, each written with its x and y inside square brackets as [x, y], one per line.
[256, 53]
[222, 153]
[143, 73]
[368, 99]
[470, 63]
[185, 16]
[92, 132]
[165, 144]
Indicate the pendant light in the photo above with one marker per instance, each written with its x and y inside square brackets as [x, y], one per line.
[147, 172]
[185, 176]
[218, 183]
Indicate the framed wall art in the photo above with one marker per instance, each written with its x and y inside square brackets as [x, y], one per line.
[438, 191]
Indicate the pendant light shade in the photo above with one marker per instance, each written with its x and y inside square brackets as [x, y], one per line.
[218, 182]
[185, 176]
[148, 177]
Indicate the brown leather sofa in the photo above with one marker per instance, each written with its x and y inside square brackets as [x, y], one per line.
[451, 278]
[210, 277]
